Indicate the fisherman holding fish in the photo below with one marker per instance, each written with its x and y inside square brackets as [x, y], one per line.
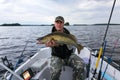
[60, 40]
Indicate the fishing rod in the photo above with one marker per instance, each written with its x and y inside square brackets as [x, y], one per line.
[19, 60]
[101, 49]
[104, 49]
[100, 52]
[115, 45]
[89, 64]
[21, 54]
[109, 20]
[99, 75]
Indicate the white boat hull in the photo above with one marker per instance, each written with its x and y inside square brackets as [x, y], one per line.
[39, 64]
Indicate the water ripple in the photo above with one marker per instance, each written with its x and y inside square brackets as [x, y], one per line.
[12, 42]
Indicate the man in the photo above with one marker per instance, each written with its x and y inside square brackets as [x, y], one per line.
[62, 55]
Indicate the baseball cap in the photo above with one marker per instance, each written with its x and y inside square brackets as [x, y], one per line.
[59, 18]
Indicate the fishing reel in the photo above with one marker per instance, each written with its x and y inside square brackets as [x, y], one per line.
[6, 62]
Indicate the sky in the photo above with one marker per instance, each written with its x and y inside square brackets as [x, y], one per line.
[45, 11]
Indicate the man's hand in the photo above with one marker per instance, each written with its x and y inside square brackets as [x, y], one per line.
[51, 43]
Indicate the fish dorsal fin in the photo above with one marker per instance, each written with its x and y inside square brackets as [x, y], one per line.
[59, 33]
[67, 35]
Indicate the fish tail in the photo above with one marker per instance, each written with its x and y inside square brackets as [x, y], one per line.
[79, 48]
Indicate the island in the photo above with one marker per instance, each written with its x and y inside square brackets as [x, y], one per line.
[12, 24]
[66, 24]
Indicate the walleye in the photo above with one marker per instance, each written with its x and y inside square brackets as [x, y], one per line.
[61, 38]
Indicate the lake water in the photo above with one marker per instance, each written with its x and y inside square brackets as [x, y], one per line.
[14, 39]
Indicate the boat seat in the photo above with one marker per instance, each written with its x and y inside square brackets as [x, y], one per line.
[39, 65]
[67, 74]
[41, 70]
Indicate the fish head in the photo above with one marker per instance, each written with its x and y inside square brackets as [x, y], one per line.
[43, 40]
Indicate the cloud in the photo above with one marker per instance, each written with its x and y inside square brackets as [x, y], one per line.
[44, 11]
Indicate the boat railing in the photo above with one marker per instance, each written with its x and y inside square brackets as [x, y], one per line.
[17, 76]
[112, 63]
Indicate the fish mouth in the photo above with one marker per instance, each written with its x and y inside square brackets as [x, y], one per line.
[39, 41]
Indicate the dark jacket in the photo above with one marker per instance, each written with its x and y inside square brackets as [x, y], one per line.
[61, 51]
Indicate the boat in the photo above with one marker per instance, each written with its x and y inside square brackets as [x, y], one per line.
[37, 67]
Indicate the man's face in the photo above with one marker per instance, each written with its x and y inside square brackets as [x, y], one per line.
[59, 25]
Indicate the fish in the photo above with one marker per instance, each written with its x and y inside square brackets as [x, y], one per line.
[61, 38]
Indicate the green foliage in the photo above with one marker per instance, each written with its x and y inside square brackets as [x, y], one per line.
[67, 24]
[13, 24]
